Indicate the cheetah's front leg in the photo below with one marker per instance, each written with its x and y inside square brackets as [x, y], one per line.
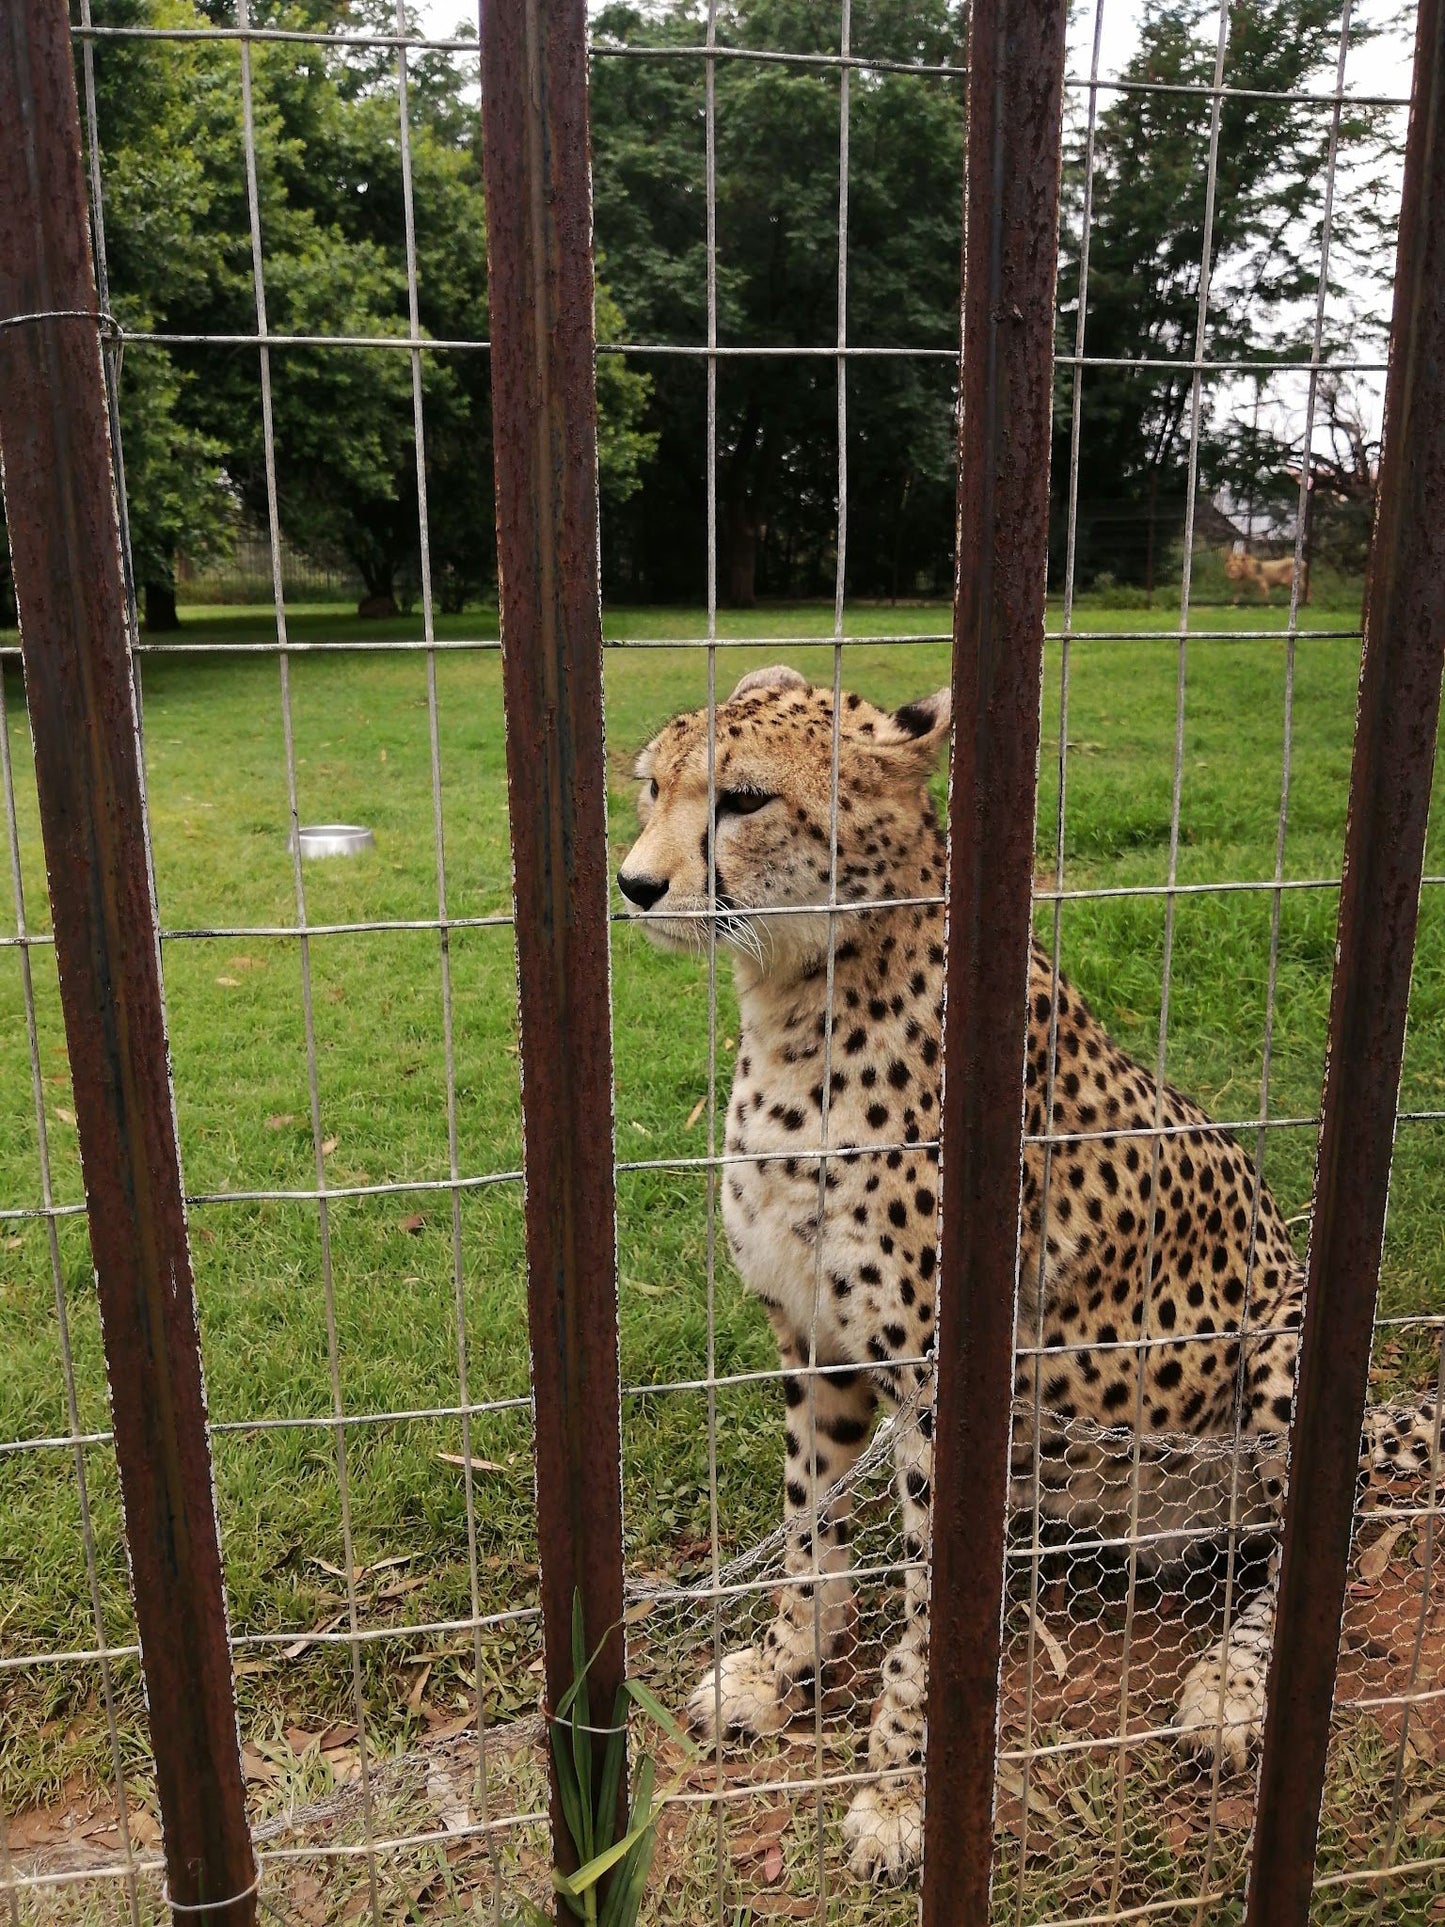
[759, 1689]
[1221, 1703]
[884, 1825]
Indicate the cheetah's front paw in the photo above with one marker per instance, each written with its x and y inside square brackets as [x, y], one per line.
[884, 1831]
[1221, 1707]
[741, 1698]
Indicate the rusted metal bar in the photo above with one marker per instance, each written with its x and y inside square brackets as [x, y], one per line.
[539, 240]
[1394, 763]
[1011, 207]
[60, 508]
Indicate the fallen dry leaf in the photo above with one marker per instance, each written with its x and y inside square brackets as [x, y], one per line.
[695, 1113]
[1012, 1781]
[1057, 1657]
[477, 1465]
[773, 1864]
[328, 1145]
[307, 1897]
[449, 1729]
[66, 1117]
[1177, 1836]
[399, 1588]
[256, 1767]
[415, 1223]
[307, 1640]
[449, 1800]
[280, 1120]
[1235, 1812]
[335, 1736]
[1376, 1556]
[345, 1764]
[229, 983]
[247, 963]
[13, 1244]
[299, 1740]
[415, 1696]
[34, 1829]
[145, 1828]
[359, 1903]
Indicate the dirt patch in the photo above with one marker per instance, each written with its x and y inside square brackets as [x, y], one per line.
[1097, 1808]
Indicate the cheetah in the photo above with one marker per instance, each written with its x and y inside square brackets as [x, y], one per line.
[846, 1267]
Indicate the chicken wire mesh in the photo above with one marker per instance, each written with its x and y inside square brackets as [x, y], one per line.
[414, 1771]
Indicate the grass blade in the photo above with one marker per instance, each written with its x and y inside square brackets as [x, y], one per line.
[643, 1697]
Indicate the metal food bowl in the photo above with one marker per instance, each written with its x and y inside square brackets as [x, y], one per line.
[333, 839]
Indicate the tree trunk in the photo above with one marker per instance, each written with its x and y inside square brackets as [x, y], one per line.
[1149, 553]
[379, 579]
[742, 557]
[160, 606]
[898, 520]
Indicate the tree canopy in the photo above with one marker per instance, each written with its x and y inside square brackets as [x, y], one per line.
[1147, 230]
[329, 191]
[777, 241]
[329, 187]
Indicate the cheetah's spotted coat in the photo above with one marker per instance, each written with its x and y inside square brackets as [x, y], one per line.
[1151, 1233]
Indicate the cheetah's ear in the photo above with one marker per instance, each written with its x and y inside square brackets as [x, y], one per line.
[919, 730]
[780, 676]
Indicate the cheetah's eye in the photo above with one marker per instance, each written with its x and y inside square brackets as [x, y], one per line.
[742, 802]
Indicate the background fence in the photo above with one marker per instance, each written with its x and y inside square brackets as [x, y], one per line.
[384, 1448]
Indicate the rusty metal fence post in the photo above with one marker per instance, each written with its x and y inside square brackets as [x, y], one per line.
[1390, 783]
[61, 512]
[539, 240]
[1011, 210]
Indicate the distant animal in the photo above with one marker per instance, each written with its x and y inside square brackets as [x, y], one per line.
[1242, 568]
[1160, 1236]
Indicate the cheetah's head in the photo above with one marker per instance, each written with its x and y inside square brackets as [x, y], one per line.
[766, 835]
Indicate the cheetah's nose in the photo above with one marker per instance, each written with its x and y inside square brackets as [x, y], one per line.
[643, 891]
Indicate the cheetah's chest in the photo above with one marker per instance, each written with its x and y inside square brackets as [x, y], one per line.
[865, 1280]
[770, 1214]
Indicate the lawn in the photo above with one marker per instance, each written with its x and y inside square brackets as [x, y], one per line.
[218, 804]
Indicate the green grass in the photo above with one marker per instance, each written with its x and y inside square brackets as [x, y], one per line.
[219, 814]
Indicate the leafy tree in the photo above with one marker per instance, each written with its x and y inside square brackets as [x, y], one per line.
[1146, 248]
[777, 186]
[1344, 478]
[330, 188]
[330, 195]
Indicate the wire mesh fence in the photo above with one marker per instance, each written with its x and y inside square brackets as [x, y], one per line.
[348, 1083]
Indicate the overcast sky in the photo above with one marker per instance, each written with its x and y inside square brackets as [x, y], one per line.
[1381, 67]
